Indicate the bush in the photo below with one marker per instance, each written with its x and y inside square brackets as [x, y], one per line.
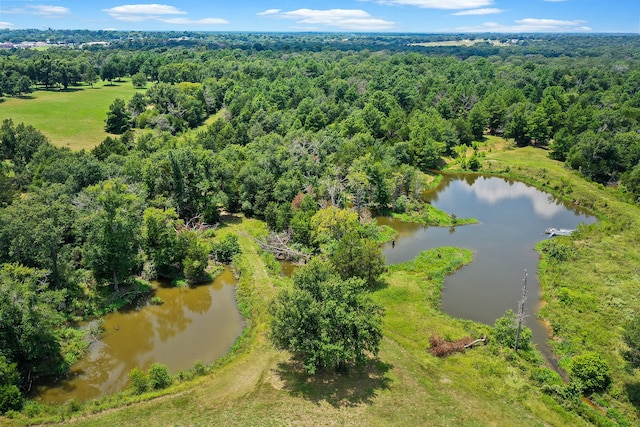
[138, 380]
[159, 377]
[10, 398]
[505, 329]
[593, 372]
[226, 249]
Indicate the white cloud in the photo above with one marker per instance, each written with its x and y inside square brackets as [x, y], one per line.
[129, 10]
[485, 11]
[269, 12]
[6, 25]
[42, 10]
[440, 4]
[529, 25]
[49, 10]
[345, 19]
[158, 12]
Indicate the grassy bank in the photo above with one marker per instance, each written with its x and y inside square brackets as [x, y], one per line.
[590, 282]
[257, 385]
[73, 118]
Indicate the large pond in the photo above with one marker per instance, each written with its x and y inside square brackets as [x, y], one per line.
[193, 323]
[513, 218]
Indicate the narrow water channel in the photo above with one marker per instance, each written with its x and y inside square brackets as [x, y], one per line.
[193, 323]
[513, 218]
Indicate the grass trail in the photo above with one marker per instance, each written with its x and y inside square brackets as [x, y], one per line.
[404, 386]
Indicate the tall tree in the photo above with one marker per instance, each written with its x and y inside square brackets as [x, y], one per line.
[114, 218]
[118, 117]
[325, 321]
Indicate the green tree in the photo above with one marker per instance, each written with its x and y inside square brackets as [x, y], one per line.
[37, 231]
[477, 122]
[355, 256]
[196, 257]
[332, 224]
[518, 125]
[325, 321]
[139, 80]
[114, 220]
[160, 240]
[118, 118]
[29, 321]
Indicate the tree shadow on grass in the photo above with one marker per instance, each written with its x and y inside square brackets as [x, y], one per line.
[357, 387]
[226, 219]
[633, 393]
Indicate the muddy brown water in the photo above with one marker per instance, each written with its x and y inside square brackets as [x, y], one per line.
[513, 217]
[198, 323]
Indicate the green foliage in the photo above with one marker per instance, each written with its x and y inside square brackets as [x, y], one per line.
[160, 240]
[355, 256]
[196, 258]
[139, 381]
[10, 398]
[327, 322]
[159, 377]
[29, 323]
[139, 80]
[118, 117]
[226, 249]
[114, 218]
[592, 372]
[332, 224]
[505, 330]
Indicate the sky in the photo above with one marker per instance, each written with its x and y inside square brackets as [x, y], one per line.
[403, 16]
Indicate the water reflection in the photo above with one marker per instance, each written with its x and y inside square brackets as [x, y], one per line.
[513, 217]
[198, 323]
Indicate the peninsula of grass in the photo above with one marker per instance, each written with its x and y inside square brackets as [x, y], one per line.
[426, 214]
[72, 118]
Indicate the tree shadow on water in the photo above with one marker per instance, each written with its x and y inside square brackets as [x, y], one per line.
[356, 387]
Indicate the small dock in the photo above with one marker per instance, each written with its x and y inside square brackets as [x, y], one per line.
[558, 232]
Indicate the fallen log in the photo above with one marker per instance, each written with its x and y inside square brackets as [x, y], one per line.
[442, 348]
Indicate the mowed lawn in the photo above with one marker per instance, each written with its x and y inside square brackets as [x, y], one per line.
[73, 118]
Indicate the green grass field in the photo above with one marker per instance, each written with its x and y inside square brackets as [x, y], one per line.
[73, 118]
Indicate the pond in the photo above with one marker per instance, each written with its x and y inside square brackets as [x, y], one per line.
[193, 323]
[513, 217]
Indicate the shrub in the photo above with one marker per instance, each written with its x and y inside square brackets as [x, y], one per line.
[10, 398]
[159, 377]
[227, 248]
[593, 372]
[505, 329]
[138, 380]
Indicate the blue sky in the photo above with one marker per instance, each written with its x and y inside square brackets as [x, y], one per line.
[422, 16]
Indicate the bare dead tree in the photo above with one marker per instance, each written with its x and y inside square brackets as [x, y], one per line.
[521, 313]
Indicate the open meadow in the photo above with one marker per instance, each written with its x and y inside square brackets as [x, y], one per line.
[73, 118]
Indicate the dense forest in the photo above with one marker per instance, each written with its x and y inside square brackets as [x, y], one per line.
[314, 134]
